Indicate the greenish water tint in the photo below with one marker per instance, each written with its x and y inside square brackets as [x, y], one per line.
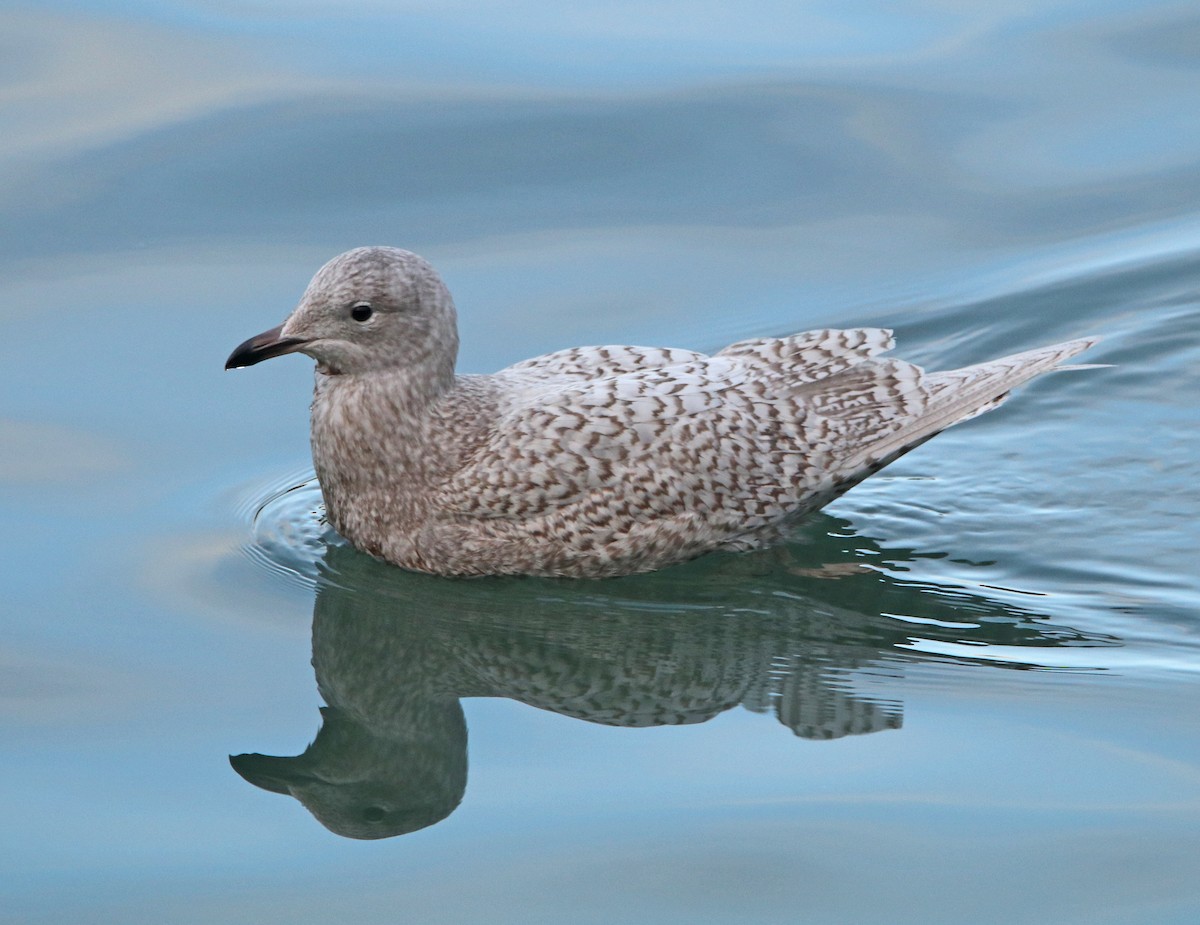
[964, 693]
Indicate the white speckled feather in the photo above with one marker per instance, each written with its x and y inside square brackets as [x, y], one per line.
[594, 461]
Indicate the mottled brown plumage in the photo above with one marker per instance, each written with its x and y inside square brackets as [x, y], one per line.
[594, 461]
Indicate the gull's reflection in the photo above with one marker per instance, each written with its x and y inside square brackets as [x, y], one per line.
[395, 652]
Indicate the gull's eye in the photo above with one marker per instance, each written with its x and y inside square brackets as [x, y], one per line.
[361, 312]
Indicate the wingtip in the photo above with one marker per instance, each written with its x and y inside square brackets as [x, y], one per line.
[1071, 348]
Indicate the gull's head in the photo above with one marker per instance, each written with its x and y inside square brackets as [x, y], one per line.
[368, 310]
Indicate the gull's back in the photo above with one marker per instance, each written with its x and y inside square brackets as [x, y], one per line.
[610, 460]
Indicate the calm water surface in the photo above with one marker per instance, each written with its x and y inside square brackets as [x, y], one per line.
[967, 692]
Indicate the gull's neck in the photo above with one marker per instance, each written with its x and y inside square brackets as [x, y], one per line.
[373, 450]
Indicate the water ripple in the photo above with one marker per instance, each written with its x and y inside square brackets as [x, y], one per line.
[288, 532]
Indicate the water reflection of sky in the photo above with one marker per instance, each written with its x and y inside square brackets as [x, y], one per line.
[1087, 110]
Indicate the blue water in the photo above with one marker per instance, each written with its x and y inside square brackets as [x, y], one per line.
[966, 692]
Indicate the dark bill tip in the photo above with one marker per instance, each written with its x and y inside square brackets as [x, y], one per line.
[262, 347]
[269, 772]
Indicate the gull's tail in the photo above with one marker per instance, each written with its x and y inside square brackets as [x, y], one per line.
[958, 395]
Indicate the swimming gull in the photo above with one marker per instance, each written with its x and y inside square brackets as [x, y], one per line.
[594, 461]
